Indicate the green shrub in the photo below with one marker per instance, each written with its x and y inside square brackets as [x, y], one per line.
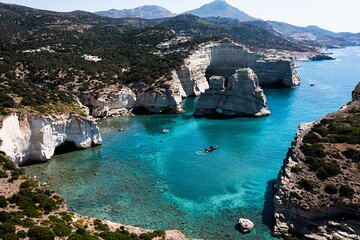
[7, 228]
[314, 150]
[323, 131]
[329, 169]
[295, 195]
[314, 163]
[11, 236]
[331, 189]
[29, 184]
[22, 234]
[9, 165]
[26, 201]
[346, 191]
[307, 184]
[3, 202]
[67, 217]
[296, 169]
[311, 138]
[100, 226]
[61, 229]
[4, 216]
[55, 219]
[3, 174]
[82, 234]
[152, 235]
[41, 233]
[116, 236]
[352, 154]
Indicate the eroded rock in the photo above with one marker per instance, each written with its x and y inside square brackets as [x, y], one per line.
[27, 139]
[242, 97]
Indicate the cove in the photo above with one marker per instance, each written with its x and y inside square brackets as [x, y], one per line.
[164, 181]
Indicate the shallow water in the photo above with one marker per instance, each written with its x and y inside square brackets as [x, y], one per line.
[164, 181]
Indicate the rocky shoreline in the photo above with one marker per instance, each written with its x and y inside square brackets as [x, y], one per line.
[49, 218]
[316, 195]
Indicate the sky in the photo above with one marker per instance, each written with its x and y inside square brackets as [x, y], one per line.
[334, 15]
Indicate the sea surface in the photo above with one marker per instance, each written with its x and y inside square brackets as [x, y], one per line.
[165, 181]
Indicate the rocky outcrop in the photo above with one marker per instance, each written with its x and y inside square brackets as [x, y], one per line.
[356, 93]
[190, 79]
[316, 195]
[245, 225]
[226, 58]
[242, 97]
[26, 139]
[276, 72]
[110, 102]
[159, 101]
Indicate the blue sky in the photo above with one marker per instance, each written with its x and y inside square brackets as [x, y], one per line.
[334, 15]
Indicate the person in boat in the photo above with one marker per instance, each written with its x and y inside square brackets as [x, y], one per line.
[210, 149]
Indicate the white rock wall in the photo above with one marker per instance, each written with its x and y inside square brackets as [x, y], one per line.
[31, 139]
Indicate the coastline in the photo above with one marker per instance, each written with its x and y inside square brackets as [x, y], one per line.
[14, 184]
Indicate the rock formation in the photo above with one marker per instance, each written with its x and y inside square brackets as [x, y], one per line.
[27, 139]
[242, 97]
[209, 59]
[245, 225]
[356, 93]
[317, 190]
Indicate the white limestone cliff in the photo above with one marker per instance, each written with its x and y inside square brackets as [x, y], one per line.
[26, 139]
[242, 97]
[190, 79]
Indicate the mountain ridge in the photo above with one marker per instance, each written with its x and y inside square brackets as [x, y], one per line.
[146, 11]
[220, 8]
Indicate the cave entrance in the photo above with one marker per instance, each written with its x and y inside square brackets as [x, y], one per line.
[66, 147]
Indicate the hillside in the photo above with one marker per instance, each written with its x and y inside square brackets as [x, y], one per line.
[146, 12]
[314, 34]
[220, 8]
[317, 190]
[66, 54]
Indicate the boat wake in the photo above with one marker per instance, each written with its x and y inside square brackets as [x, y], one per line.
[200, 153]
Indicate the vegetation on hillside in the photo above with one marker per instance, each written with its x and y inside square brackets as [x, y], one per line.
[46, 57]
[331, 163]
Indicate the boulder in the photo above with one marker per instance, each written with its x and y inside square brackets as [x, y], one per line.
[245, 225]
[243, 97]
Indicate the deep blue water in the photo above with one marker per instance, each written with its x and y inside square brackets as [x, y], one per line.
[163, 181]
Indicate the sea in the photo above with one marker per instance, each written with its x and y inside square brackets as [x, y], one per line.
[143, 177]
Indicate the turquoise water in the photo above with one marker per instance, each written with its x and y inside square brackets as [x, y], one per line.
[163, 181]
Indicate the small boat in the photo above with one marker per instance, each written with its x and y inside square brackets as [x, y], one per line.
[311, 85]
[211, 148]
[165, 131]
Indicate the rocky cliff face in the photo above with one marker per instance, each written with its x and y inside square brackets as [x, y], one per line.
[226, 58]
[317, 190]
[27, 139]
[209, 59]
[242, 97]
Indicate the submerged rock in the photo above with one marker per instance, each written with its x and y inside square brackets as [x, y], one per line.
[245, 225]
[242, 97]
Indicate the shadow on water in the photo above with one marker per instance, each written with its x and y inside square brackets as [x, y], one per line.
[268, 210]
